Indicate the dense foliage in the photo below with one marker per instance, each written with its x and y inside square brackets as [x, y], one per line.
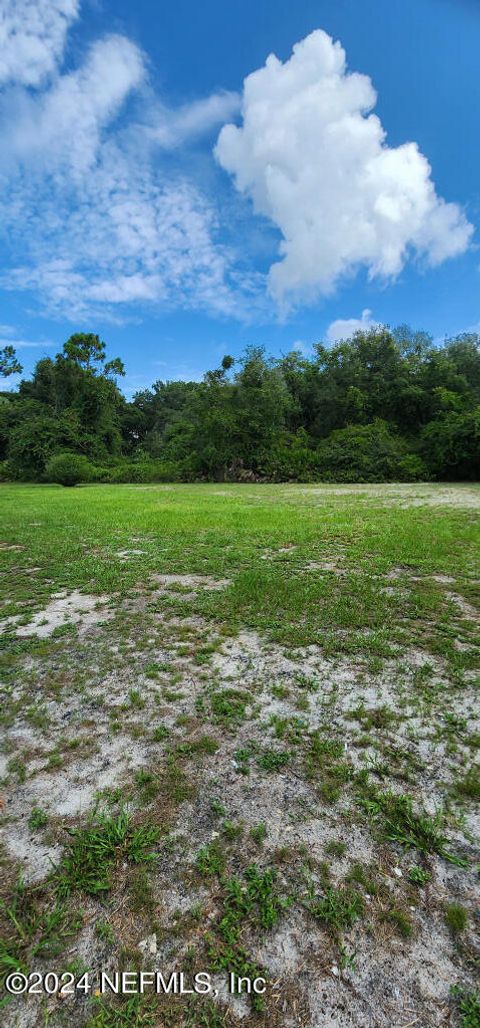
[381, 406]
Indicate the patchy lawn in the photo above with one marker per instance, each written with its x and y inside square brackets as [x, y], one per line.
[241, 734]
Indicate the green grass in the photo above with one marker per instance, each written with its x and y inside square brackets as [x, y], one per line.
[456, 918]
[338, 737]
[399, 823]
[338, 909]
[199, 531]
[469, 786]
[94, 850]
[468, 1006]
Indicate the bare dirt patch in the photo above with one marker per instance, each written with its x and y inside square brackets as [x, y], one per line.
[74, 608]
[195, 583]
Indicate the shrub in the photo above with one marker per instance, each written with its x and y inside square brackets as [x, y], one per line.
[143, 471]
[68, 469]
[367, 453]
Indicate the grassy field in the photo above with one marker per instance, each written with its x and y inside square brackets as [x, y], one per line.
[240, 733]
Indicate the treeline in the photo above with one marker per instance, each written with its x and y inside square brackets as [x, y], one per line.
[381, 406]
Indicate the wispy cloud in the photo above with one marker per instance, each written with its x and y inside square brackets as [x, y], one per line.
[170, 127]
[101, 224]
[32, 38]
[26, 344]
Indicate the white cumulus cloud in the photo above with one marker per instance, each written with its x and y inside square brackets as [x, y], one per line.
[345, 328]
[315, 161]
[32, 38]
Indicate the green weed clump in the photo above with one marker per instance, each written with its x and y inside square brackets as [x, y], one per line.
[399, 823]
[229, 705]
[35, 924]
[253, 904]
[469, 786]
[96, 848]
[273, 760]
[38, 818]
[338, 909]
[456, 918]
[468, 1005]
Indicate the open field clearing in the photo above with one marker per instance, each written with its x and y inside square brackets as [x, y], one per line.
[241, 733]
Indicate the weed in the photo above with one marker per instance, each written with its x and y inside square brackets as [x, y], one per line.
[229, 706]
[469, 786]
[160, 733]
[259, 833]
[90, 857]
[231, 830]
[338, 908]
[135, 698]
[292, 729]
[210, 859]
[38, 818]
[362, 875]
[468, 1004]
[217, 808]
[16, 766]
[399, 823]
[134, 1012]
[455, 918]
[418, 875]
[335, 849]
[36, 925]
[204, 745]
[104, 931]
[400, 920]
[273, 760]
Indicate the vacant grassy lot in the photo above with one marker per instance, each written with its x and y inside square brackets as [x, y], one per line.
[240, 733]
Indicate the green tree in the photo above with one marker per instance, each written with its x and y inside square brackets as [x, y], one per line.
[9, 364]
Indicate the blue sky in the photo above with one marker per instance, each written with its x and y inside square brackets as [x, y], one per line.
[150, 194]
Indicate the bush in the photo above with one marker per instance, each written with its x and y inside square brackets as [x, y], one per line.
[143, 471]
[451, 445]
[289, 458]
[68, 469]
[367, 453]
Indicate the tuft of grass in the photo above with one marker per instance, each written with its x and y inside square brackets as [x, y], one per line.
[400, 920]
[231, 830]
[338, 909]
[362, 875]
[35, 925]
[273, 760]
[136, 699]
[210, 859]
[204, 745]
[217, 808]
[469, 786]
[418, 875]
[259, 833]
[456, 918]
[468, 1004]
[134, 1012]
[253, 903]
[38, 818]
[104, 931]
[399, 823]
[95, 849]
[160, 733]
[335, 848]
[229, 706]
